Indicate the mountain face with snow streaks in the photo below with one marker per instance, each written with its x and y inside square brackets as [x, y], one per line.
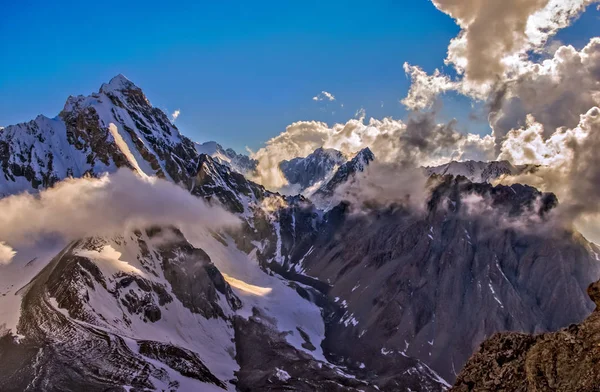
[296, 297]
[313, 169]
[116, 127]
[156, 308]
[435, 285]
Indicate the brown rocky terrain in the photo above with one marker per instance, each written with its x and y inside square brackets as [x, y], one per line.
[567, 360]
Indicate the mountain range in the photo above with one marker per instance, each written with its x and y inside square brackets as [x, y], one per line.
[304, 294]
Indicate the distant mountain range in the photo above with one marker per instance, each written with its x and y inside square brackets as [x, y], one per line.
[477, 171]
[313, 173]
[298, 297]
[228, 157]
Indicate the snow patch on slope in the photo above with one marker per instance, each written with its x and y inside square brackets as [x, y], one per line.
[282, 302]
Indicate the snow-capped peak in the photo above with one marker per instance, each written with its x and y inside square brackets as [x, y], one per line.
[98, 133]
[118, 83]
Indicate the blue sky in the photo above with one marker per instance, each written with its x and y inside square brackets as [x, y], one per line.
[239, 71]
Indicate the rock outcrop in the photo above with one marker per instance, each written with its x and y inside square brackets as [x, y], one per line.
[567, 360]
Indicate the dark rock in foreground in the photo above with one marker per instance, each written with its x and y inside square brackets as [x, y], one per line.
[567, 360]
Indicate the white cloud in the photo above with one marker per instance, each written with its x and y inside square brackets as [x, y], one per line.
[420, 141]
[6, 253]
[570, 167]
[175, 114]
[493, 44]
[424, 88]
[324, 95]
[555, 91]
[496, 34]
[83, 207]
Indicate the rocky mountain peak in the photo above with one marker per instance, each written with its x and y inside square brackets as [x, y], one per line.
[357, 164]
[239, 162]
[314, 169]
[363, 158]
[118, 83]
[115, 127]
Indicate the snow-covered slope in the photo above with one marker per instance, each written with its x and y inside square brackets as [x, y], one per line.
[149, 310]
[115, 127]
[130, 311]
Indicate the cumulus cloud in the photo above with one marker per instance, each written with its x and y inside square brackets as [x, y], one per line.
[492, 56]
[493, 46]
[556, 92]
[384, 184]
[77, 208]
[569, 167]
[324, 95]
[494, 35]
[175, 114]
[424, 88]
[420, 140]
[6, 253]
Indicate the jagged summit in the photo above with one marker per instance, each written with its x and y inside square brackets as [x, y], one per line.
[239, 162]
[313, 169]
[363, 158]
[115, 127]
[322, 195]
[118, 83]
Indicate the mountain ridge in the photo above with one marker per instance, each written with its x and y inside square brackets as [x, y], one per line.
[130, 282]
[384, 281]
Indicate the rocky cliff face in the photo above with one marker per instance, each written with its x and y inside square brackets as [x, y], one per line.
[105, 313]
[567, 360]
[434, 285]
[313, 170]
